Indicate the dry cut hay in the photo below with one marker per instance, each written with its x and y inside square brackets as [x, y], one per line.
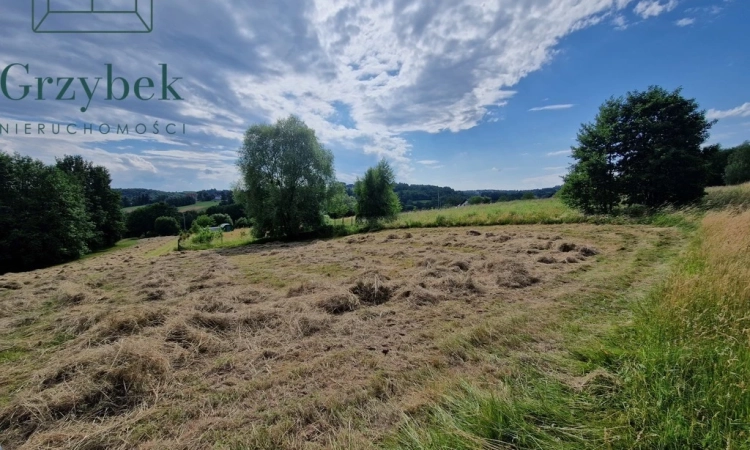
[99, 383]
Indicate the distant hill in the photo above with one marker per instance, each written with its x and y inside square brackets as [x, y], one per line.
[412, 196]
[420, 196]
[135, 197]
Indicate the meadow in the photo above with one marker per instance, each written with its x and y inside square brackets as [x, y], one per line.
[519, 325]
[196, 207]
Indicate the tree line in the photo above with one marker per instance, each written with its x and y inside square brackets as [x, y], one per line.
[54, 213]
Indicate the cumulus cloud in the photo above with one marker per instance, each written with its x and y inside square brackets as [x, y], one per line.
[363, 74]
[740, 111]
[551, 107]
[653, 8]
[685, 22]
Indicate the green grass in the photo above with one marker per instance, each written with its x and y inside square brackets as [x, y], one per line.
[120, 245]
[197, 207]
[727, 196]
[677, 377]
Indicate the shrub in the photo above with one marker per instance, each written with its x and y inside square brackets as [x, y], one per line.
[166, 226]
[206, 236]
[242, 223]
[201, 222]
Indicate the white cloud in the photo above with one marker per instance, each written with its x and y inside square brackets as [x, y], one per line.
[361, 73]
[552, 107]
[740, 111]
[685, 22]
[653, 8]
[428, 162]
[560, 153]
[620, 22]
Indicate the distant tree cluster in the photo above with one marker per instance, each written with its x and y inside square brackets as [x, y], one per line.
[50, 214]
[414, 197]
[643, 149]
[184, 200]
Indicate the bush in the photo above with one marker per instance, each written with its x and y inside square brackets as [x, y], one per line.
[166, 226]
[206, 236]
[242, 223]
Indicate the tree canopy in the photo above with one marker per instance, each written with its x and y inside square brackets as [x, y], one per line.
[102, 202]
[376, 199]
[43, 215]
[642, 149]
[287, 177]
[738, 165]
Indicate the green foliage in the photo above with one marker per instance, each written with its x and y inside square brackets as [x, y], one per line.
[287, 175]
[528, 196]
[738, 165]
[141, 221]
[204, 221]
[242, 223]
[641, 149]
[43, 218]
[717, 159]
[222, 218]
[340, 204]
[206, 236]
[102, 202]
[235, 211]
[166, 226]
[376, 199]
[480, 200]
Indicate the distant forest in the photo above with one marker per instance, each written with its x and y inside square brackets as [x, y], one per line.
[142, 197]
[413, 197]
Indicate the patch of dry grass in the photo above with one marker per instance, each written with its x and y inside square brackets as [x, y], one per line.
[322, 344]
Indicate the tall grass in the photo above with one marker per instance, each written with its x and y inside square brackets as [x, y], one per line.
[733, 196]
[687, 382]
[677, 378]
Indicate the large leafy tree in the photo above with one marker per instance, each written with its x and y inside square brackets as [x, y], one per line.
[376, 199]
[643, 149]
[738, 165]
[43, 219]
[287, 175]
[102, 202]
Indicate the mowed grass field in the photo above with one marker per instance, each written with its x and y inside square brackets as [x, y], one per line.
[537, 336]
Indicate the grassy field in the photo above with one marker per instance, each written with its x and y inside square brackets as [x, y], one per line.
[553, 333]
[197, 207]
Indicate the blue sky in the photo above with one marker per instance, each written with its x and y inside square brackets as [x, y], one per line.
[467, 94]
